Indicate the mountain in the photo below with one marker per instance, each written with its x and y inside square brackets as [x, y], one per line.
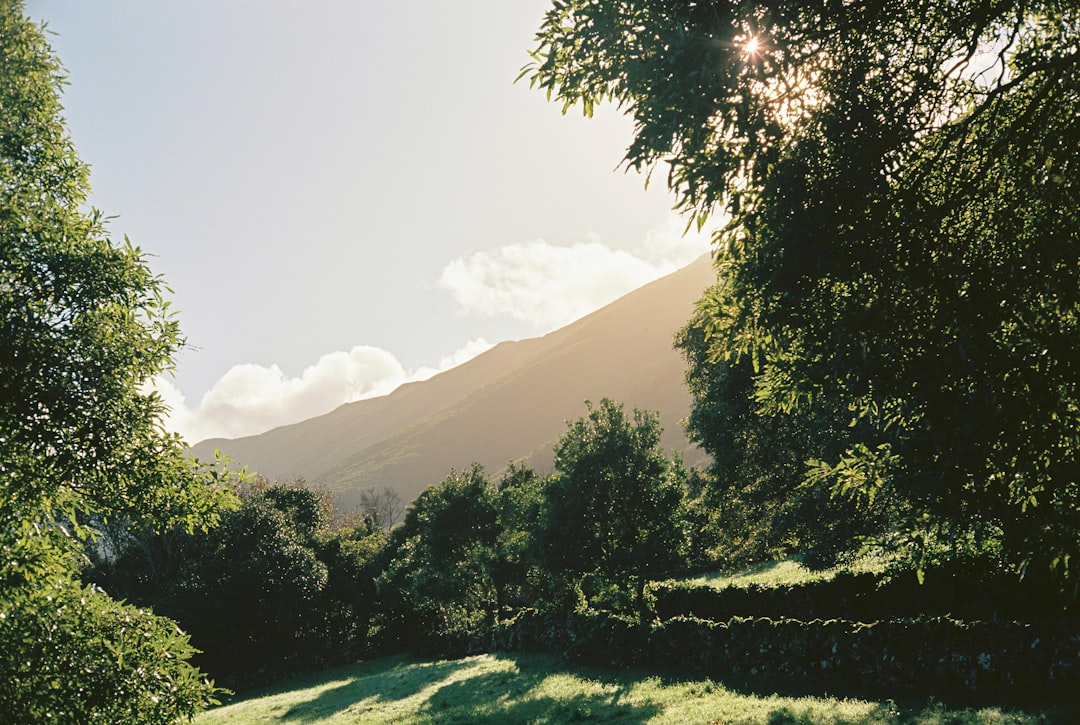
[509, 404]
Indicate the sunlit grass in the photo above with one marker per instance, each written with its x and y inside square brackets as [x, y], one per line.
[786, 572]
[531, 688]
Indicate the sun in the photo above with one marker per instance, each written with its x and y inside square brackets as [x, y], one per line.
[751, 46]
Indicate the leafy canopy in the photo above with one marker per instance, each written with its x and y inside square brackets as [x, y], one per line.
[901, 197]
[84, 328]
[613, 512]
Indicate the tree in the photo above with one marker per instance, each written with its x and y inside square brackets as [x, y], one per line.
[354, 558]
[519, 582]
[385, 504]
[437, 590]
[276, 589]
[253, 586]
[902, 228]
[84, 328]
[613, 511]
[73, 654]
[752, 505]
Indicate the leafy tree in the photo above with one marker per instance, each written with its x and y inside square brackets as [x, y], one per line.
[274, 590]
[84, 328]
[85, 324]
[752, 505]
[255, 581]
[519, 582]
[73, 654]
[437, 589]
[354, 556]
[613, 511]
[309, 512]
[902, 235]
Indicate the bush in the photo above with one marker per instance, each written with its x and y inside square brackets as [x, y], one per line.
[70, 654]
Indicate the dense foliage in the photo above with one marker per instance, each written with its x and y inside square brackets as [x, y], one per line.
[84, 328]
[901, 192]
[751, 505]
[73, 654]
[613, 512]
[438, 587]
[275, 589]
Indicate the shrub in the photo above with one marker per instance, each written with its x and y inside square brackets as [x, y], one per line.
[71, 654]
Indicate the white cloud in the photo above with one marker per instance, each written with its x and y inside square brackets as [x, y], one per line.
[667, 247]
[250, 399]
[550, 286]
[467, 352]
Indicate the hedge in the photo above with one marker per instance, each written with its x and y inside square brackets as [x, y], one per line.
[984, 661]
[956, 591]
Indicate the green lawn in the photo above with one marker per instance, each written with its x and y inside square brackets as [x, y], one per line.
[532, 688]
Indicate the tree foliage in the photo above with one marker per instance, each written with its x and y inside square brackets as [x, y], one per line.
[752, 505]
[519, 580]
[438, 590]
[85, 323]
[901, 193]
[84, 328]
[613, 512]
[73, 654]
[276, 589]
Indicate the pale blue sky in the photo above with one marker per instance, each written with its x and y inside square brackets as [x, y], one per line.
[344, 193]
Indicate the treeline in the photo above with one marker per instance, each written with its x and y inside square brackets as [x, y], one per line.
[286, 584]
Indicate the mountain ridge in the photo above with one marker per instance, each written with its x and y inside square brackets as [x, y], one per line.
[508, 404]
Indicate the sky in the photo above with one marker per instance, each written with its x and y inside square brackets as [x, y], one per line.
[346, 195]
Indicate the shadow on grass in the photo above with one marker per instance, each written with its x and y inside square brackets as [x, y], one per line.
[447, 692]
[541, 688]
[512, 697]
[380, 685]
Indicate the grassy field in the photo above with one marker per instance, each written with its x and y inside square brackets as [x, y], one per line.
[787, 572]
[532, 688]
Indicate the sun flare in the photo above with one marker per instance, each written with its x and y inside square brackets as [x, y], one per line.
[751, 46]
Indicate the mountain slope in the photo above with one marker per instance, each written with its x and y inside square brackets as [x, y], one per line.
[509, 404]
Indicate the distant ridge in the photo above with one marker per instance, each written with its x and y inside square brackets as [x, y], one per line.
[509, 404]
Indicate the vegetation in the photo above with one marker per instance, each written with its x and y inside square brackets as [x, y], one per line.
[900, 239]
[886, 359]
[542, 689]
[752, 505]
[784, 572]
[276, 589]
[84, 328]
[612, 516]
[438, 585]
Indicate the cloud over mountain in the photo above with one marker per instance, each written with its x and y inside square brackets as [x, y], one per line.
[549, 285]
[251, 398]
[543, 284]
[509, 404]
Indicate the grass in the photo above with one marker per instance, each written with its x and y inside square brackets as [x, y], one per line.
[534, 688]
[787, 572]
